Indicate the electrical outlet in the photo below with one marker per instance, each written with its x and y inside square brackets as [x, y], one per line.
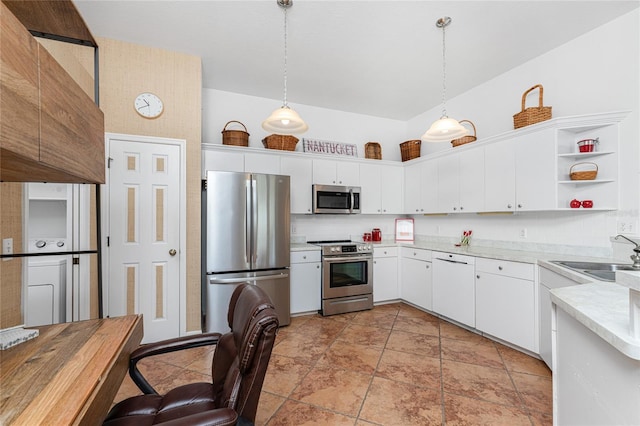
[294, 230]
[523, 233]
[7, 247]
[626, 228]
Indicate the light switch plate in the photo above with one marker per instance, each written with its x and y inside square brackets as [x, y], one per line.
[7, 247]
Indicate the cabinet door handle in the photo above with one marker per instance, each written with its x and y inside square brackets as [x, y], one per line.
[478, 276]
[304, 257]
[427, 266]
[519, 206]
[317, 266]
[461, 207]
[508, 206]
[499, 268]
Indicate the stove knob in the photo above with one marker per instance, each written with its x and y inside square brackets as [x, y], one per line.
[60, 243]
[41, 243]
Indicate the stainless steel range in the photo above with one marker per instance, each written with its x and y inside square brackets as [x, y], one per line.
[347, 276]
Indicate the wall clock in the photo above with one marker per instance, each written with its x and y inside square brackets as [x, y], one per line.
[148, 105]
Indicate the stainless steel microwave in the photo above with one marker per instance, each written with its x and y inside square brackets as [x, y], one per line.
[336, 199]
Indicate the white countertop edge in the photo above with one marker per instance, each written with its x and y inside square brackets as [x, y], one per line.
[602, 308]
[630, 279]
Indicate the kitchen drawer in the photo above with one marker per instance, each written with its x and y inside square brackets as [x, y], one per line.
[415, 253]
[385, 252]
[457, 258]
[520, 270]
[305, 256]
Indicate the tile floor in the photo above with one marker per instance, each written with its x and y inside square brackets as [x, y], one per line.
[393, 365]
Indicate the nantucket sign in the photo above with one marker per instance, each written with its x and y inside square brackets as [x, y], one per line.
[328, 147]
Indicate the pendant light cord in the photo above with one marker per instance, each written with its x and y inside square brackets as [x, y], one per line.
[444, 75]
[285, 57]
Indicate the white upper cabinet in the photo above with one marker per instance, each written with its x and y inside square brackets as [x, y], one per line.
[371, 195]
[392, 179]
[520, 173]
[421, 188]
[499, 177]
[224, 161]
[381, 189]
[331, 172]
[524, 170]
[535, 156]
[301, 180]
[461, 181]
[262, 163]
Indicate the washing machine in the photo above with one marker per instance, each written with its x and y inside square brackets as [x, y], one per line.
[46, 285]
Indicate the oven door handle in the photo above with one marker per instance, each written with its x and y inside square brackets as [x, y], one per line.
[347, 258]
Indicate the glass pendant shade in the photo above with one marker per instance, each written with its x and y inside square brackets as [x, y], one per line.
[285, 121]
[444, 130]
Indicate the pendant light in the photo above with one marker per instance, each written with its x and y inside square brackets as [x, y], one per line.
[445, 129]
[284, 120]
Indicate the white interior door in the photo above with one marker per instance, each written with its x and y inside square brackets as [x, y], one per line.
[144, 199]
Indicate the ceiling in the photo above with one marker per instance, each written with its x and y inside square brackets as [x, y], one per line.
[379, 58]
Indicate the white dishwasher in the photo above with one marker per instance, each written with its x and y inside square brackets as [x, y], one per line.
[454, 289]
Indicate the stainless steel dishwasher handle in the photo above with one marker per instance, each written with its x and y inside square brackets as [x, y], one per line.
[452, 261]
[246, 279]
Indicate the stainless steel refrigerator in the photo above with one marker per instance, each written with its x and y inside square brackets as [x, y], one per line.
[246, 222]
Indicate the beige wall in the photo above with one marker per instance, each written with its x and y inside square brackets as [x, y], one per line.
[11, 270]
[126, 70]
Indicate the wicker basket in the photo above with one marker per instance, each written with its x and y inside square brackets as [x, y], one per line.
[410, 149]
[532, 115]
[465, 139]
[373, 150]
[282, 142]
[235, 137]
[584, 174]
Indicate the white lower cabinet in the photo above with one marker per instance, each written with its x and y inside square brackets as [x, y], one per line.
[506, 300]
[454, 287]
[306, 276]
[416, 280]
[385, 274]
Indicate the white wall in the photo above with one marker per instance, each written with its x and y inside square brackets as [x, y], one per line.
[220, 107]
[597, 72]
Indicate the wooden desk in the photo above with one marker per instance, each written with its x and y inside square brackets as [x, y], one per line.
[69, 374]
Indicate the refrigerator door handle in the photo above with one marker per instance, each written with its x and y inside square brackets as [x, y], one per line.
[247, 279]
[254, 221]
[247, 221]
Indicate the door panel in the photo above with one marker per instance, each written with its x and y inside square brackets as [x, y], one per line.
[144, 231]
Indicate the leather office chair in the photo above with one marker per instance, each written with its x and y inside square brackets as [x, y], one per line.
[239, 365]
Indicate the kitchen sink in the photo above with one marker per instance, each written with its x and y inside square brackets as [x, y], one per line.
[599, 270]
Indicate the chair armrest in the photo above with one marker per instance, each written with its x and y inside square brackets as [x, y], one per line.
[163, 347]
[217, 417]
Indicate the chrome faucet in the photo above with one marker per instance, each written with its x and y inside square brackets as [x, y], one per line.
[635, 257]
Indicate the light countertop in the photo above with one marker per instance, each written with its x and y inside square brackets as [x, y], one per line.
[604, 309]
